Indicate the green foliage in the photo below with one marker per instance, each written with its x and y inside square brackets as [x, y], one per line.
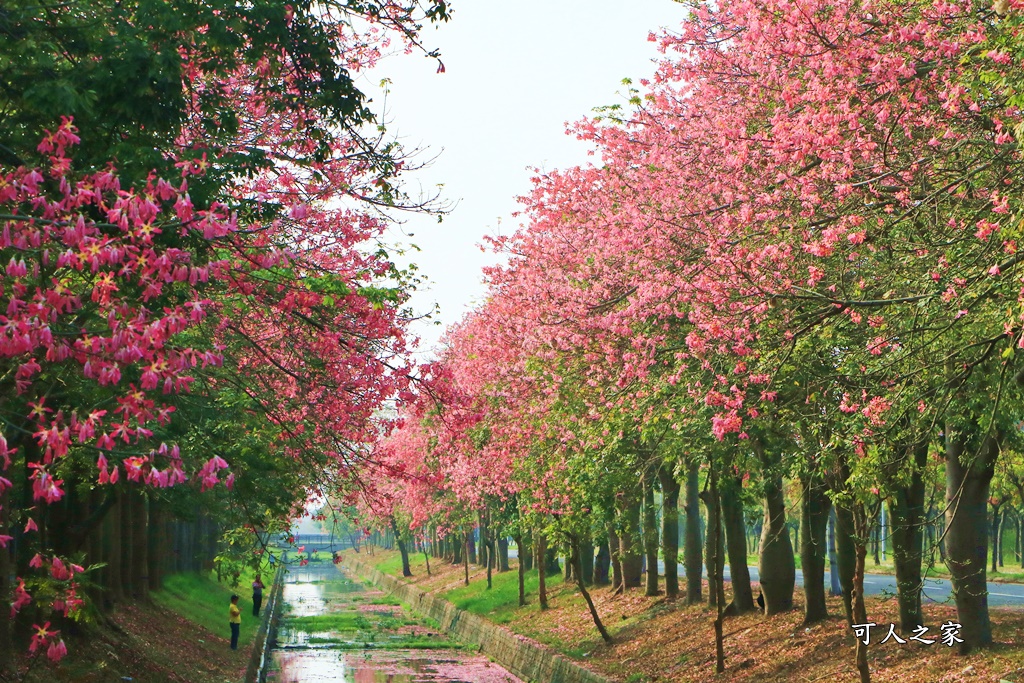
[118, 69]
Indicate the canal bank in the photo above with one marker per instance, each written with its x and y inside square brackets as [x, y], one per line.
[335, 628]
[525, 658]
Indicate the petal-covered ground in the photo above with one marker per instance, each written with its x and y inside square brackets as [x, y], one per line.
[658, 641]
[143, 643]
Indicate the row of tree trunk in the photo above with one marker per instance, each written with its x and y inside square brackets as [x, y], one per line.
[124, 535]
[632, 536]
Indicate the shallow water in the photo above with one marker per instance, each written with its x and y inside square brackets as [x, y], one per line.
[332, 630]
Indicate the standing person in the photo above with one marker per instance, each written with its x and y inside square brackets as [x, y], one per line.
[257, 596]
[235, 619]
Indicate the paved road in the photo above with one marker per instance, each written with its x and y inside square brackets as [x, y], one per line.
[935, 590]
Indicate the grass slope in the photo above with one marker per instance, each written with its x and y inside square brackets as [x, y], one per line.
[204, 602]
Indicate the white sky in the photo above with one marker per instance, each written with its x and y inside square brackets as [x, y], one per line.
[515, 74]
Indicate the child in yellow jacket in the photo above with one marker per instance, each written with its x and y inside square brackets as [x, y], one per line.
[235, 619]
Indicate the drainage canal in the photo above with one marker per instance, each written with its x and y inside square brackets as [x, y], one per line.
[336, 629]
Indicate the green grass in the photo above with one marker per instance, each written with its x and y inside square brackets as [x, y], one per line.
[392, 565]
[423, 643]
[349, 621]
[387, 600]
[500, 604]
[201, 600]
[398, 643]
[332, 621]
[327, 640]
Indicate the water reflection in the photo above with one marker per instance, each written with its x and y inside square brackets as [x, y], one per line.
[340, 633]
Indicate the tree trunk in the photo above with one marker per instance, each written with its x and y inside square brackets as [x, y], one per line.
[997, 520]
[692, 545]
[1002, 530]
[403, 549]
[993, 528]
[527, 556]
[6, 591]
[715, 538]
[670, 530]
[835, 587]
[614, 555]
[521, 570]
[650, 536]
[542, 593]
[484, 551]
[488, 542]
[629, 542]
[736, 537]
[212, 539]
[941, 524]
[906, 510]
[717, 575]
[113, 584]
[157, 545]
[846, 549]
[503, 553]
[969, 470]
[587, 562]
[125, 542]
[465, 557]
[140, 544]
[574, 557]
[551, 566]
[1017, 542]
[457, 548]
[814, 509]
[860, 614]
[602, 565]
[776, 563]
[94, 551]
[876, 534]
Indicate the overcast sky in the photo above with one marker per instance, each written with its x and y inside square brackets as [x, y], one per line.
[515, 74]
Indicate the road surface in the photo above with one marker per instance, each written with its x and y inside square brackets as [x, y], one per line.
[935, 590]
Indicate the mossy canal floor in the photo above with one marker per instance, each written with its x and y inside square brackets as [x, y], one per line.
[336, 629]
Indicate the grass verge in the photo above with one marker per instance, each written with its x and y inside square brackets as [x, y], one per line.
[500, 603]
[204, 602]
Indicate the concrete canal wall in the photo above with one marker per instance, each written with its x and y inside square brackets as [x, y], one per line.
[525, 658]
[256, 672]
